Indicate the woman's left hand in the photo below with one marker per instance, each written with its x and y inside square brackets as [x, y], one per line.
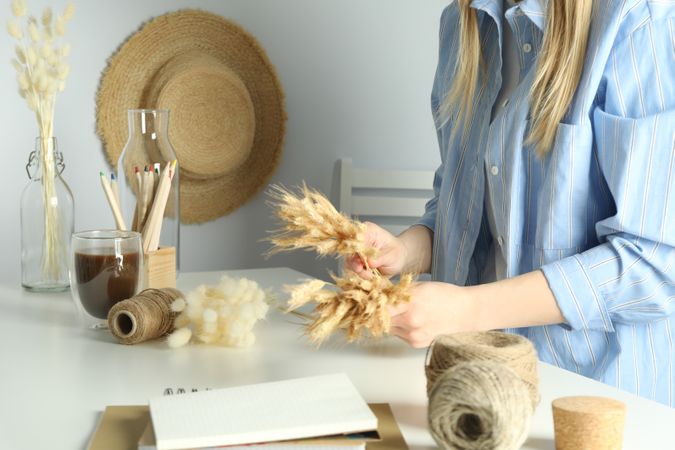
[434, 309]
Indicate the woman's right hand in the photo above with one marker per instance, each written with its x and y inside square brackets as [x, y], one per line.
[390, 258]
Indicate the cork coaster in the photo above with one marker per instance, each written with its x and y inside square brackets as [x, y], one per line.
[588, 423]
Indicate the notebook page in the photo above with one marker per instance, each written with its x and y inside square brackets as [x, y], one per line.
[267, 412]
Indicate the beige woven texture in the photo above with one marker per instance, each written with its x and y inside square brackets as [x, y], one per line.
[514, 351]
[144, 317]
[483, 389]
[479, 406]
[227, 119]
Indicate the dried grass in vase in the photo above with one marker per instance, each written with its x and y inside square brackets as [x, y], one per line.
[41, 72]
[357, 306]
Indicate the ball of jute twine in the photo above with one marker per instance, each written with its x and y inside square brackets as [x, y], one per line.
[479, 406]
[146, 316]
[482, 388]
[512, 350]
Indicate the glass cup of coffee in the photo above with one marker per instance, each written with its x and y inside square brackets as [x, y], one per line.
[105, 268]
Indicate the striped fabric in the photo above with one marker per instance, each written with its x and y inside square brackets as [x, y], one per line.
[597, 214]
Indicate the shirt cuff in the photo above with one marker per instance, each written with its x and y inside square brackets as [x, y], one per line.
[578, 298]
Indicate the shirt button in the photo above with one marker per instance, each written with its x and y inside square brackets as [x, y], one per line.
[494, 170]
[527, 48]
[500, 241]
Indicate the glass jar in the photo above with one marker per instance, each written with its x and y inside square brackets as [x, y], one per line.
[148, 147]
[47, 220]
[106, 267]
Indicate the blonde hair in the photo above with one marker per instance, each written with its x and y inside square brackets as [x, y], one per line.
[557, 75]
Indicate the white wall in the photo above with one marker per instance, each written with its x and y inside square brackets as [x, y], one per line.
[357, 76]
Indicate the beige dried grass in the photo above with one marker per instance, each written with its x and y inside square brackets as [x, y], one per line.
[311, 222]
[41, 71]
[359, 307]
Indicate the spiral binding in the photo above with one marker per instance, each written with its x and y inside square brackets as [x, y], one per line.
[170, 391]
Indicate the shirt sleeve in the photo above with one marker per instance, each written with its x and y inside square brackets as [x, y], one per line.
[630, 276]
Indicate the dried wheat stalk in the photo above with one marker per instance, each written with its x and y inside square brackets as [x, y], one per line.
[355, 305]
[310, 221]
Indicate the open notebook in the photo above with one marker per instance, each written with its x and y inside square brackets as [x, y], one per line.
[268, 412]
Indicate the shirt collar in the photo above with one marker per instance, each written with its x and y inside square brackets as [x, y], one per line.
[535, 10]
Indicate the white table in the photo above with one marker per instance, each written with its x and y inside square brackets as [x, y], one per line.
[55, 377]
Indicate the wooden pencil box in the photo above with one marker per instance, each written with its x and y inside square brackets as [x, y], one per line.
[160, 268]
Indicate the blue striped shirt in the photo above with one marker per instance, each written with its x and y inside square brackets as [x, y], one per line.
[597, 213]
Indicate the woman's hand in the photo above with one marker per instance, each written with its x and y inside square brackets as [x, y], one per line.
[443, 308]
[434, 309]
[391, 253]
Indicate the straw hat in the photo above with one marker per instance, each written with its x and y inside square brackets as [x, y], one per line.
[227, 117]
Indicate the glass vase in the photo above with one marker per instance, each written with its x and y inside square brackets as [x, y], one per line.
[47, 220]
[148, 146]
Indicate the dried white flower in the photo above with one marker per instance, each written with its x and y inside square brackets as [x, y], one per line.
[225, 313]
[65, 50]
[179, 338]
[47, 34]
[46, 51]
[60, 26]
[53, 86]
[63, 71]
[69, 11]
[31, 102]
[20, 54]
[24, 81]
[31, 56]
[19, 8]
[14, 30]
[178, 305]
[42, 83]
[33, 32]
[47, 16]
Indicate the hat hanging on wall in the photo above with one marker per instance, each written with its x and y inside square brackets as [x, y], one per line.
[227, 117]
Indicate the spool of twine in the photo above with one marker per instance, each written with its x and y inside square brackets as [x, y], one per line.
[479, 406]
[482, 388]
[511, 350]
[143, 317]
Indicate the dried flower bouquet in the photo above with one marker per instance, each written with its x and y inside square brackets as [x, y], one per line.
[352, 304]
[42, 70]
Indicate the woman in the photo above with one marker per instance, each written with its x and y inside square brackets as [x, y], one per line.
[555, 199]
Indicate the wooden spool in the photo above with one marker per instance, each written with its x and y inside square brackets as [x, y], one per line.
[588, 423]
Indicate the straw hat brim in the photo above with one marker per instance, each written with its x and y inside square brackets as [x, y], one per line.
[127, 79]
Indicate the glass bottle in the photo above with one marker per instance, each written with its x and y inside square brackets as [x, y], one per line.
[147, 145]
[47, 220]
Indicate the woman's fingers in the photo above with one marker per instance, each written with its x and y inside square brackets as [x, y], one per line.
[356, 265]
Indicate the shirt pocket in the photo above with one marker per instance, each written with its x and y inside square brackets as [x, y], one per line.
[532, 257]
[561, 191]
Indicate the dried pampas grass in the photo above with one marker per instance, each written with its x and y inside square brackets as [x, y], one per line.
[359, 307]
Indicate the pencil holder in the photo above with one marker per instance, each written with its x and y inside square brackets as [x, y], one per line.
[160, 268]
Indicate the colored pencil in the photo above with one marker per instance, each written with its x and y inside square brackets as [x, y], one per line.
[153, 226]
[114, 206]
